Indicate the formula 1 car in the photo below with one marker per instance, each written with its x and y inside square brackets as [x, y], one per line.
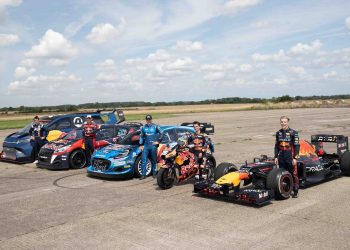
[261, 181]
[69, 150]
[17, 147]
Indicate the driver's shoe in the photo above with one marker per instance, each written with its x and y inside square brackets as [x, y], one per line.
[142, 177]
[295, 194]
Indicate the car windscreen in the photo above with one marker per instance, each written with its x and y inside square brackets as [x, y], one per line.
[27, 127]
[130, 139]
[75, 134]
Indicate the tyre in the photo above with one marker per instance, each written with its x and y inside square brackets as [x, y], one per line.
[138, 168]
[224, 168]
[165, 178]
[281, 182]
[211, 165]
[345, 163]
[77, 159]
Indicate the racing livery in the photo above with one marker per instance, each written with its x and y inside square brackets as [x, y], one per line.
[263, 180]
[17, 147]
[69, 151]
[124, 159]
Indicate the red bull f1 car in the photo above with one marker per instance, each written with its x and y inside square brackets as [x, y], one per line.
[261, 181]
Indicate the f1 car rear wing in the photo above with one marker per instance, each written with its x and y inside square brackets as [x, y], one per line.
[341, 141]
[207, 128]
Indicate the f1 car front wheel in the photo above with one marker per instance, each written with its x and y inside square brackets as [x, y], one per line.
[77, 159]
[281, 182]
[166, 178]
[345, 163]
[224, 168]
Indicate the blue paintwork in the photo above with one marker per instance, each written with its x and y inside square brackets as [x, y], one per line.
[17, 146]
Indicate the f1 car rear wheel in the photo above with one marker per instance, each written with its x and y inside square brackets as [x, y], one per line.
[224, 168]
[138, 167]
[281, 182]
[345, 163]
[77, 159]
[166, 178]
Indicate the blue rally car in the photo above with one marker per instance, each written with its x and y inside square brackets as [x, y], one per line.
[17, 147]
[124, 158]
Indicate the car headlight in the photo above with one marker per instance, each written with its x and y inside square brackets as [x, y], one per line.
[60, 150]
[123, 154]
[23, 140]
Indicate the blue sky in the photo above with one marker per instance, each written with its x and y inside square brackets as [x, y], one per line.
[59, 52]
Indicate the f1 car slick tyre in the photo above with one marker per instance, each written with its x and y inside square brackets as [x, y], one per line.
[77, 159]
[345, 163]
[166, 178]
[224, 168]
[281, 182]
[138, 167]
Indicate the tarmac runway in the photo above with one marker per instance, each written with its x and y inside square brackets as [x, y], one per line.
[41, 209]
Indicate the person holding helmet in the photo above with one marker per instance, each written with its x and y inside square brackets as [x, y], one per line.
[37, 134]
[89, 135]
[150, 137]
[287, 151]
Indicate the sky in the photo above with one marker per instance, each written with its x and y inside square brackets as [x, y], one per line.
[73, 52]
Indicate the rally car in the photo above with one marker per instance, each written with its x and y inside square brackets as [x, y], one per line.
[124, 158]
[260, 181]
[17, 147]
[69, 150]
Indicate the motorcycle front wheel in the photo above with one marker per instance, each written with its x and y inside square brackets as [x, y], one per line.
[166, 178]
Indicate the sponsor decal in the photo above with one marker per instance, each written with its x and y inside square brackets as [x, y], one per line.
[316, 168]
[78, 121]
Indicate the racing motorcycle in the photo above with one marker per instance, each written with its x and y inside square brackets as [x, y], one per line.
[177, 165]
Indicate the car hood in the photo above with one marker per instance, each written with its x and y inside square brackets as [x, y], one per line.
[111, 151]
[17, 135]
[54, 145]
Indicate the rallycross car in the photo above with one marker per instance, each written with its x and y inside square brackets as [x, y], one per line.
[17, 147]
[124, 158]
[69, 150]
[262, 180]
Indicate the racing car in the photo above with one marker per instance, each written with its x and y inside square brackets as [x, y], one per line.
[260, 181]
[17, 147]
[69, 150]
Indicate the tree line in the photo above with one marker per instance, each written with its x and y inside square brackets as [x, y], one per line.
[106, 105]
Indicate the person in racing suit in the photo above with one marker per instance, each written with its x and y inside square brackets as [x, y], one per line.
[287, 151]
[200, 143]
[89, 134]
[37, 134]
[150, 137]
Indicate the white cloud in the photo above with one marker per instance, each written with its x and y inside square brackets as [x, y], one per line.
[106, 77]
[181, 64]
[297, 70]
[159, 55]
[188, 46]
[13, 3]
[105, 32]
[283, 80]
[28, 62]
[233, 6]
[280, 56]
[57, 62]
[347, 22]
[214, 76]
[53, 45]
[330, 74]
[304, 49]
[106, 64]
[245, 68]
[260, 24]
[8, 39]
[218, 67]
[23, 72]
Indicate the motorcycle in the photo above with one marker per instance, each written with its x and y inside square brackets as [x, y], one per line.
[177, 165]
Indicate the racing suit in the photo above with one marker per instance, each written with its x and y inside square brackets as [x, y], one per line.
[200, 146]
[150, 133]
[38, 133]
[286, 149]
[89, 134]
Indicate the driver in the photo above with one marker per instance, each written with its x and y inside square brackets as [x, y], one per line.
[37, 134]
[89, 134]
[287, 151]
[200, 147]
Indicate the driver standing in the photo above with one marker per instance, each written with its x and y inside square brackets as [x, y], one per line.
[287, 151]
[89, 134]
